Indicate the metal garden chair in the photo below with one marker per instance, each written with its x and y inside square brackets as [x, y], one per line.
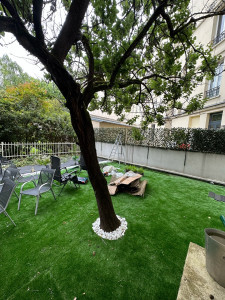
[4, 160]
[5, 195]
[44, 185]
[14, 174]
[9, 173]
[62, 178]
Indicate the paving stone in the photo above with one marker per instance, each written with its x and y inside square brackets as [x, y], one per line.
[196, 283]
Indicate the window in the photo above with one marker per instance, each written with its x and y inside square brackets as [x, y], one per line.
[215, 120]
[214, 84]
[220, 30]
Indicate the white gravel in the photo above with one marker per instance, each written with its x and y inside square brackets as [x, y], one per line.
[113, 235]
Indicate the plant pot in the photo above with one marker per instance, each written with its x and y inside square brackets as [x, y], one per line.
[215, 254]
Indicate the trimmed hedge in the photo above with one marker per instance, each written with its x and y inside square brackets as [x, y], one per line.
[183, 139]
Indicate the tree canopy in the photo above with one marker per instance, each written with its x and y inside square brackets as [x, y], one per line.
[30, 112]
[11, 73]
[135, 52]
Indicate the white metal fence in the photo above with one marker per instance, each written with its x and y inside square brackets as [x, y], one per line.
[13, 150]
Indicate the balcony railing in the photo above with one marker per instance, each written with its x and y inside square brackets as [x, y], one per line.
[212, 92]
[219, 38]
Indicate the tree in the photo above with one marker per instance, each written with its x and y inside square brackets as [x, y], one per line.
[31, 112]
[11, 73]
[130, 50]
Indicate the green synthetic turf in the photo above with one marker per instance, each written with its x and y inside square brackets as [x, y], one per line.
[56, 255]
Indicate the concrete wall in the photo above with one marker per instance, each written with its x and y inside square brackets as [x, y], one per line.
[192, 164]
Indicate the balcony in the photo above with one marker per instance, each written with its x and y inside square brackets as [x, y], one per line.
[212, 92]
[219, 38]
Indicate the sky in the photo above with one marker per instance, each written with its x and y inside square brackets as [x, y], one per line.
[9, 46]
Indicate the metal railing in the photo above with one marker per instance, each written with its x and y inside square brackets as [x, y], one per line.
[212, 92]
[219, 38]
[13, 150]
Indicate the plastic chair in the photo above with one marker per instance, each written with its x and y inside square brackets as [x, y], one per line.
[44, 185]
[5, 196]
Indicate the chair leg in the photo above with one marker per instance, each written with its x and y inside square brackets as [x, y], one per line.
[53, 194]
[34, 182]
[62, 189]
[19, 201]
[36, 208]
[7, 215]
[16, 194]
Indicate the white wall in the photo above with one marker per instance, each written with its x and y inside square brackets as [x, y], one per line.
[193, 164]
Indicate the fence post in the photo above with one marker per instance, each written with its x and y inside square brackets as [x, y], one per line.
[125, 136]
[2, 148]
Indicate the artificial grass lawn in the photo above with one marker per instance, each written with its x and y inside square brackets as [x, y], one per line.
[56, 255]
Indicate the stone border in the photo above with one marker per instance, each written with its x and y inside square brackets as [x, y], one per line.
[113, 235]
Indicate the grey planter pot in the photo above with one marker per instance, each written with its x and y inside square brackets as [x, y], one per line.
[215, 254]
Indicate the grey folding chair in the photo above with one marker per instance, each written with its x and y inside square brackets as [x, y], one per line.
[44, 185]
[14, 174]
[18, 177]
[5, 195]
[9, 173]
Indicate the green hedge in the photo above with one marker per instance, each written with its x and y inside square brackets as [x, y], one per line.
[183, 139]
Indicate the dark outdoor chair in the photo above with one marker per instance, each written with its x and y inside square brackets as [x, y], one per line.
[22, 179]
[1, 171]
[62, 178]
[44, 185]
[5, 195]
[14, 174]
[9, 173]
[5, 161]
[82, 164]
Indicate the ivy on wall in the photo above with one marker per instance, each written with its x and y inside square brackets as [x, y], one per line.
[183, 139]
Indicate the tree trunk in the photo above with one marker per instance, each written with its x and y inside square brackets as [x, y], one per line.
[82, 124]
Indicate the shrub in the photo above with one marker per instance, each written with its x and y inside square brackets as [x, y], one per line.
[135, 169]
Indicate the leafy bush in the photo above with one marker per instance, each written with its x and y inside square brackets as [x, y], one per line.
[35, 160]
[135, 169]
[33, 150]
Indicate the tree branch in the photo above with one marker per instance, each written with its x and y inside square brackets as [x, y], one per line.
[89, 88]
[7, 24]
[90, 58]
[166, 17]
[138, 39]
[192, 20]
[70, 32]
[37, 13]
[124, 84]
[11, 9]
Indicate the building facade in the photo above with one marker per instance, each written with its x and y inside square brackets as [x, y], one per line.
[209, 31]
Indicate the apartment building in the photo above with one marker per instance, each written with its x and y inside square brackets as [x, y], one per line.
[211, 30]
